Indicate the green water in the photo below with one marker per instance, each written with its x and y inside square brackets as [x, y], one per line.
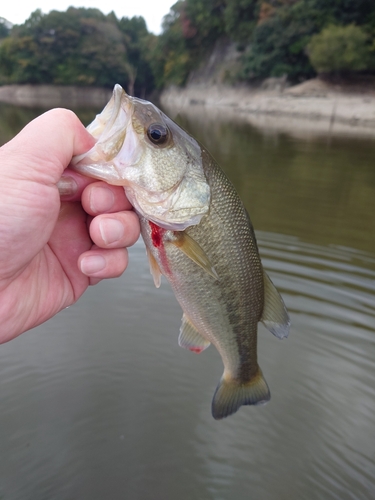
[100, 402]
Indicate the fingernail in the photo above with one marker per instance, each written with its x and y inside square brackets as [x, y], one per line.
[101, 199]
[67, 186]
[111, 230]
[92, 264]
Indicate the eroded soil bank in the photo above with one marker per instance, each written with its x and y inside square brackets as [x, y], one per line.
[314, 104]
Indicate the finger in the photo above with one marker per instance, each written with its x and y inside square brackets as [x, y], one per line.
[115, 230]
[100, 264]
[100, 197]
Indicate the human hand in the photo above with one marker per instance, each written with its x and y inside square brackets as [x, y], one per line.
[52, 250]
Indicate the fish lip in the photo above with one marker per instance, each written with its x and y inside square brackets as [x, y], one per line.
[120, 100]
[103, 129]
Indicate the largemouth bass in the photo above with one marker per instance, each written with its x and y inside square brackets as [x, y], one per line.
[197, 234]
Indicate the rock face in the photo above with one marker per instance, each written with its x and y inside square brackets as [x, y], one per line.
[48, 96]
[220, 66]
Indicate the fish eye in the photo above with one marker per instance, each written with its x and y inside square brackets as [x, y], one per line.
[158, 133]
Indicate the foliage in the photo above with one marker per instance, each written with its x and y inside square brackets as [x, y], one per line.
[173, 56]
[138, 42]
[276, 37]
[338, 49]
[278, 45]
[240, 18]
[79, 46]
[5, 27]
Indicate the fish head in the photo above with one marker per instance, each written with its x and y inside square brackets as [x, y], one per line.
[157, 162]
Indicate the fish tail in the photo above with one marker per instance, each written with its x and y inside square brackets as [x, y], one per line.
[231, 394]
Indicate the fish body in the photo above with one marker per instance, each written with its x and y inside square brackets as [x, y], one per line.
[198, 235]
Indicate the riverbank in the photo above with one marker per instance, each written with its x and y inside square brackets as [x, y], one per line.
[315, 106]
[51, 96]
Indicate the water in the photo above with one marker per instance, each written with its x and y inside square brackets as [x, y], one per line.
[100, 402]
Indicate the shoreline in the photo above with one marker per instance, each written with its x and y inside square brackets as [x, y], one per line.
[51, 96]
[313, 107]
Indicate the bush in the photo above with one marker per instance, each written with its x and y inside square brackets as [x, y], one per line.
[339, 49]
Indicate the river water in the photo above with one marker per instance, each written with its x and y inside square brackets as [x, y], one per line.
[100, 402]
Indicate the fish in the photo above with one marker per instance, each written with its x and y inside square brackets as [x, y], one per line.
[197, 234]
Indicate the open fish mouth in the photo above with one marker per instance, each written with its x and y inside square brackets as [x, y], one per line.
[109, 128]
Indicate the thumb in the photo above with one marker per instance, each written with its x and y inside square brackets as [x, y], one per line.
[45, 147]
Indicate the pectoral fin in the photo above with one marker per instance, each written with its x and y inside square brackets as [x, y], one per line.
[190, 338]
[275, 317]
[154, 268]
[192, 250]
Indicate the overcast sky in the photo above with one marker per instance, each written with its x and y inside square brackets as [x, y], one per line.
[153, 11]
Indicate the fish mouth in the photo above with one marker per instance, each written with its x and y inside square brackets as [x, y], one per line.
[109, 128]
[104, 121]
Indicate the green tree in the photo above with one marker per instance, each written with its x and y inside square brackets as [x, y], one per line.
[338, 49]
[172, 58]
[139, 43]
[277, 46]
[79, 46]
[5, 27]
[240, 18]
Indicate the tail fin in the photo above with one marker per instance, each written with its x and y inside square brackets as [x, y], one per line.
[230, 395]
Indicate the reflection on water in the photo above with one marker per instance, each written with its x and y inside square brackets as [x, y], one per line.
[100, 402]
[321, 189]
[14, 118]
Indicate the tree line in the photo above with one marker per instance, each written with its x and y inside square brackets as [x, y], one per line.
[77, 47]
[296, 38]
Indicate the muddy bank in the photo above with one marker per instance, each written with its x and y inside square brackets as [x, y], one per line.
[50, 96]
[315, 106]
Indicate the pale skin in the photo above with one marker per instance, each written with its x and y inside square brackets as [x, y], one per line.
[52, 248]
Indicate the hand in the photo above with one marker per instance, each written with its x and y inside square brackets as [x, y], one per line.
[51, 251]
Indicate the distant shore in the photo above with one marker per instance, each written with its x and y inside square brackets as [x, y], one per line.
[49, 96]
[313, 106]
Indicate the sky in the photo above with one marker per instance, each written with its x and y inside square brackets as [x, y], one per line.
[153, 11]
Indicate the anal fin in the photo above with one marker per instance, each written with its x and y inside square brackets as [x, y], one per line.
[190, 338]
[275, 317]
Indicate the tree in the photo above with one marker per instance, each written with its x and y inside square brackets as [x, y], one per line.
[138, 42]
[277, 46]
[80, 46]
[338, 49]
[5, 27]
[240, 18]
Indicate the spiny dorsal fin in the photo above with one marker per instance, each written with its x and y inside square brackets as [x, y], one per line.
[190, 338]
[275, 317]
[154, 268]
[192, 250]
